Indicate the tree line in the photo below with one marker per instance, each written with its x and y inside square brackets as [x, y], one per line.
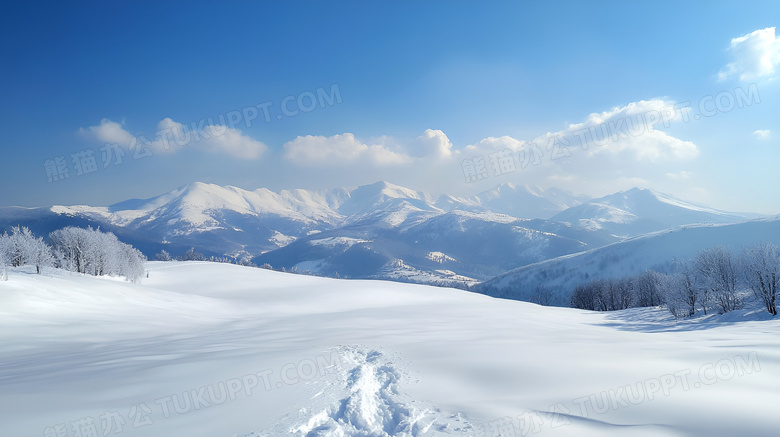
[713, 280]
[88, 251]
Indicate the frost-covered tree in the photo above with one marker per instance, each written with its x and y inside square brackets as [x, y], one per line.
[37, 252]
[685, 288]
[163, 256]
[70, 248]
[22, 247]
[647, 292]
[718, 271]
[674, 296]
[97, 253]
[623, 291]
[192, 255]
[131, 262]
[681, 291]
[247, 262]
[3, 259]
[13, 247]
[761, 269]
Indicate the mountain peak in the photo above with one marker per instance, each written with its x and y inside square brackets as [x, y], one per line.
[641, 210]
[369, 197]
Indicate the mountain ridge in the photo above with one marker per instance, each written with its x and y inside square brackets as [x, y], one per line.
[378, 226]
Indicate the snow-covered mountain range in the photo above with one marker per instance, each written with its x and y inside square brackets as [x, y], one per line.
[379, 230]
[639, 210]
[660, 251]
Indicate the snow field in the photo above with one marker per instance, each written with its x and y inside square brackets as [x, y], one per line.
[222, 350]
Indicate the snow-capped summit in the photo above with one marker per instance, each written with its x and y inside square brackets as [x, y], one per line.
[641, 210]
[527, 201]
[380, 195]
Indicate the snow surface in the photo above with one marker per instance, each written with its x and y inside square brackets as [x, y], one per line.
[226, 350]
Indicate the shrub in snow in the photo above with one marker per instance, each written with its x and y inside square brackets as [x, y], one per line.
[163, 256]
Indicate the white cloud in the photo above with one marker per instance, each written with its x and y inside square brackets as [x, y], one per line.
[435, 143]
[231, 142]
[495, 144]
[172, 136]
[109, 132]
[627, 130]
[762, 134]
[755, 55]
[611, 150]
[339, 150]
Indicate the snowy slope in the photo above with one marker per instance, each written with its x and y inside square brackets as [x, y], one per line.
[639, 211]
[214, 350]
[656, 251]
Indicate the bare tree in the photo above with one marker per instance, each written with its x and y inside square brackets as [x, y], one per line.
[691, 291]
[718, 271]
[623, 291]
[761, 269]
[585, 297]
[603, 295]
[674, 296]
[646, 289]
[542, 295]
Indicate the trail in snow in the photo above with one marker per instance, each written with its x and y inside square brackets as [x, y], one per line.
[374, 405]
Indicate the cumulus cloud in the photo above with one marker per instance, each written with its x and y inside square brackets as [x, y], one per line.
[619, 148]
[232, 142]
[762, 134]
[339, 150]
[109, 132]
[755, 55]
[171, 136]
[630, 130]
[435, 143]
[495, 144]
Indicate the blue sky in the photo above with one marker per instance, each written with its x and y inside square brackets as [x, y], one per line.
[408, 92]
